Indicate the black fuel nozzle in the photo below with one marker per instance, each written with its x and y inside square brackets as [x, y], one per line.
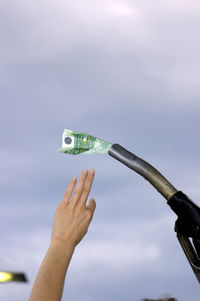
[188, 222]
[187, 226]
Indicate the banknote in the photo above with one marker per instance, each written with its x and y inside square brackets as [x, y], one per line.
[75, 143]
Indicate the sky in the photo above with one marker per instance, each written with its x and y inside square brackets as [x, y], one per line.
[124, 71]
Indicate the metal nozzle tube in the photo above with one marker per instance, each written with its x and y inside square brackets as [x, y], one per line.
[143, 168]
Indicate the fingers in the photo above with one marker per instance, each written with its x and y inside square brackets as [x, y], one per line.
[69, 190]
[82, 190]
[91, 206]
[80, 187]
[87, 187]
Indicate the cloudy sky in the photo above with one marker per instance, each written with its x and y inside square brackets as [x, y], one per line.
[125, 71]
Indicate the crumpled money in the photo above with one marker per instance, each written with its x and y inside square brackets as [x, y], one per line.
[75, 143]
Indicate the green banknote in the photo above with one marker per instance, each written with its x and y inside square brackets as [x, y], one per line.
[74, 143]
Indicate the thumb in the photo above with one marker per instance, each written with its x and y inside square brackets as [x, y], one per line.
[92, 205]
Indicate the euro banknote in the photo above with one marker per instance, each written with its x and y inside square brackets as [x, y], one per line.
[75, 143]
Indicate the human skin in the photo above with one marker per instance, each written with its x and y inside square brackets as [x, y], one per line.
[72, 218]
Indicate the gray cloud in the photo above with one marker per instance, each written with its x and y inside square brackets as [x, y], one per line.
[123, 71]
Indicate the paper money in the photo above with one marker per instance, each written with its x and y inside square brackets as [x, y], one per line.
[74, 143]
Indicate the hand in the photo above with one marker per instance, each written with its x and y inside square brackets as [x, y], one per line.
[72, 218]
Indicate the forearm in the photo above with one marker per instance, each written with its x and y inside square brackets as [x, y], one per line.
[49, 282]
[71, 222]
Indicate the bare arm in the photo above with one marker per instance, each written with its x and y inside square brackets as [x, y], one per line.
[71, 222]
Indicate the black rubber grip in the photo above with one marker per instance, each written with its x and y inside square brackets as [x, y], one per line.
[188, 222]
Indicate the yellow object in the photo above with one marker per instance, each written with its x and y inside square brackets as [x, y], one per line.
[5, 276]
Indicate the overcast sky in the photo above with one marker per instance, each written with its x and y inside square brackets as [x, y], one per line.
[127, 72]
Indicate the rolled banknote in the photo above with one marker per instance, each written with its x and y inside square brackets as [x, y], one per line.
[74, 143]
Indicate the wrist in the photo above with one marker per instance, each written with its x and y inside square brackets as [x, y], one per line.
[61, 248]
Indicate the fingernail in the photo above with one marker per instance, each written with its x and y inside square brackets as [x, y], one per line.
[73, 179]
[92, 171]
[85, 172]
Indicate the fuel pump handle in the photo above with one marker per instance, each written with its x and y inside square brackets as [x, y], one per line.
[187, 226]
